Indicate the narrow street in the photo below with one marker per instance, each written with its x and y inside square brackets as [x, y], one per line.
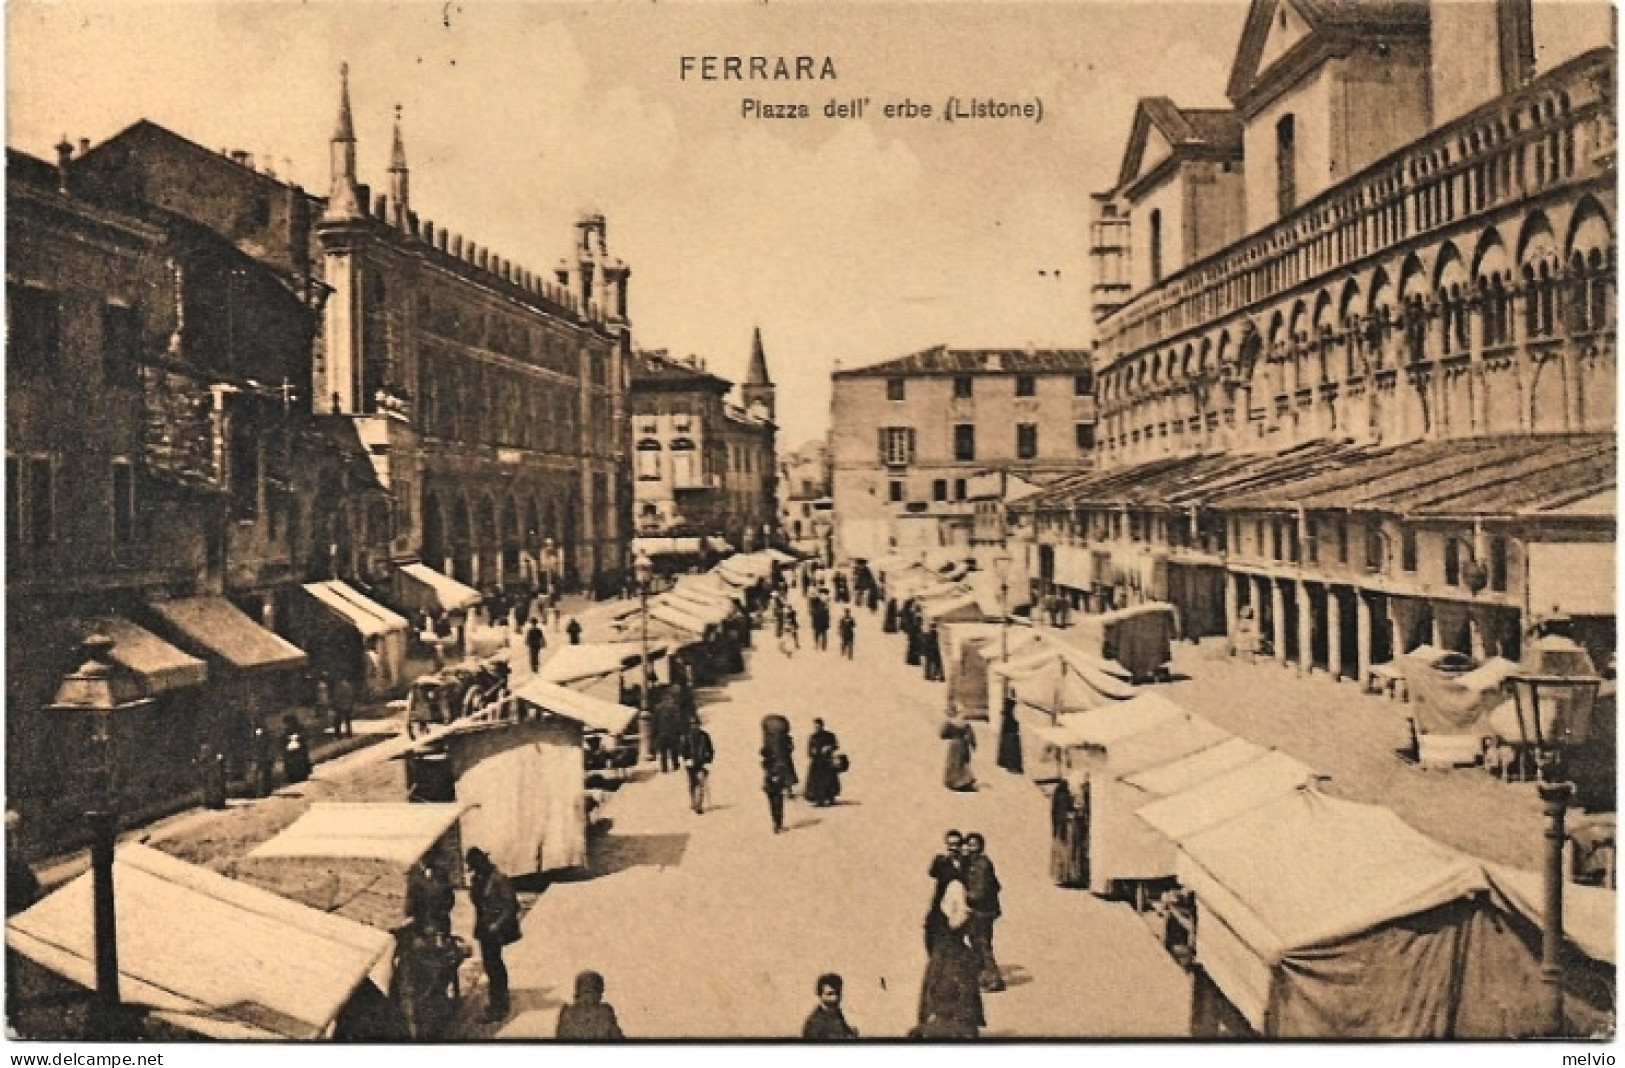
[711, 926]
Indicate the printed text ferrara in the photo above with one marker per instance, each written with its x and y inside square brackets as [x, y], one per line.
[757, 69]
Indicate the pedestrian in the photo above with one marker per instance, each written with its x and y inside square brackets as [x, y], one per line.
[1009, 736]
[264, 761]
[778, 766]
[668, 725]
[931, 654]
[790, 640]
[211, 772]
[982, 898]
[827, 1023]
[344, 708]
[824, 758]
[589, 1018]
[296, 765]
[849, 633]
[496, 924]
[950, 997]
[957, 774]
[535, 642]
[574, 631]
[778, 615]
[323, 700]
[888, 622]
[697, 752]
[946, 867]
[429, 895]
[1069, 834]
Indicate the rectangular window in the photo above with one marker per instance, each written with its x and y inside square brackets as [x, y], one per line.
[959, 489]
[939, 489]
[1085, 434]
[1407, 549]
[1292, 540]
[1275, 540]
[964, 442]
[41, 502]
[1312, 541]
[1342, 541]
[896, 445]
[896, 491]
[1452, 562]
[1375, 550]
[121, 345]
[1260, 543]
[123, 501]
[1498, 564]
[963, 387]
[649, 465]
[1286, 166]
[1083, 384]
[894, 389]
[1155, 241]
[1026, 386]
[1026, 441]
[33, 331]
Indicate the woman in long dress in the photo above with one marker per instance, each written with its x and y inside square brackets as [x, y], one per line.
[950, 994]
[1069, 831]
[1009, 737]
[957, 775]
[823, 778]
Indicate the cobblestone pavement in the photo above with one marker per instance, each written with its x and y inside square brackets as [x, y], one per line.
[712, 926]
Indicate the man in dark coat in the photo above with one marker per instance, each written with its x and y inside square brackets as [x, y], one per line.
[574, 631]
[827, 1023]
[982, 898]
[535, 642]
[848, 628]
[429, 896]
[344, 708]
[496, 924]
[697, 752]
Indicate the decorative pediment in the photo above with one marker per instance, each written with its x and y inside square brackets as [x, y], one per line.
[1282, 39]
[1286, 28]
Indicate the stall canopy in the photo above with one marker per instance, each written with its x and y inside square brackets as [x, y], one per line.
[1059, 679]
[1139, 638]
[708, 584]
[207, 953]
[422, 588]
[372, 619]
[1322, 918]
[397, 832]
[157, 665]
[955, 606]
[677, 615]
[707, 609]
[222, 630]
[667, 546]
[1225, 796]
[576, 663]
[573, 704]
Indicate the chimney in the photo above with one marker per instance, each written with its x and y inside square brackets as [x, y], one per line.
[84, 146]
[380, 206]
[239, 157]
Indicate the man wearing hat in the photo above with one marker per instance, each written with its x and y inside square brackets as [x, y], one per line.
[496, 924]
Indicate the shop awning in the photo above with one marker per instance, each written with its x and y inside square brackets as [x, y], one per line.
[677, 615]
[572, 663]
[573, 704]
[421, 587]
[159, 666]
[397, 832]
[216, 627]
[207, 953]
[364, 614]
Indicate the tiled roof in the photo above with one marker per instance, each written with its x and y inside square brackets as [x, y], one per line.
[658, 367]
[942, 360]
[1511, 475]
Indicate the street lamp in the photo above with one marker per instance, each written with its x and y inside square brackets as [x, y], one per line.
[644, 571]
[1554, 713]
[94, 688]
[1001, 568]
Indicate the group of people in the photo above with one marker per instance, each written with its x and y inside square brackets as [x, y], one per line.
[825, 764]
[924, 641]
[959, 939]
[787, 624]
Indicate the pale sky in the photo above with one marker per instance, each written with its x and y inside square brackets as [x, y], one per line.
[847, 241]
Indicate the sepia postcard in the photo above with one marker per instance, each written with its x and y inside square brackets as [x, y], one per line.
[900, 522]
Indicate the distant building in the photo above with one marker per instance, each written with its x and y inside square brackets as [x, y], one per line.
[806, 506]
[702, 468]
[1376, 408]
[909, 436]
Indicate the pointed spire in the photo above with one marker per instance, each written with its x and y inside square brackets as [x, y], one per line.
[345, 131]
[344, 199]
[757, 374]
[397, 154]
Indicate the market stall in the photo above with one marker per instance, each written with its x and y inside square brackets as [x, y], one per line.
[212, 955]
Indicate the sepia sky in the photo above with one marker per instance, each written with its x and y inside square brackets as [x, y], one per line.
[847, 241]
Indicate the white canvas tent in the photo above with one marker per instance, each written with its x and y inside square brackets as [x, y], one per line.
[206, 953]
[1058, 746]
[1224, 796]
[581, 663]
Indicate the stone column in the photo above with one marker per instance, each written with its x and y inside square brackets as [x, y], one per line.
[1435, 633]
[1232, 609]
[1278, 610]
[1362, 636]
[1306, 628]
[1475, 634]
[1334, 634]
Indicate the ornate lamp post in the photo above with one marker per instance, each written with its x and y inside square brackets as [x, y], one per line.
[644, 571]
[1001, 568]
[1554, 712]
[94, 688]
